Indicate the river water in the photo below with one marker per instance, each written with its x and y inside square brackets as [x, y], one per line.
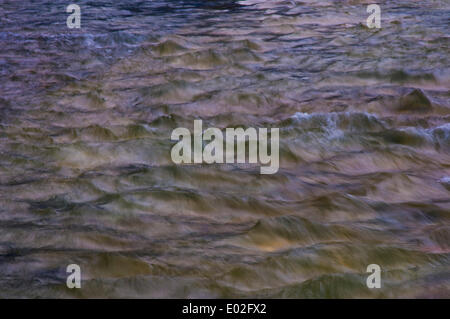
[85, 170]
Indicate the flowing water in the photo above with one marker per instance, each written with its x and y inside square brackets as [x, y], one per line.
[86, 175]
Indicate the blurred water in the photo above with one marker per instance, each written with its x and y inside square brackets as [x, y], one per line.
[85, 169]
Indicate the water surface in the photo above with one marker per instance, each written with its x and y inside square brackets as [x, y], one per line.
[86, 175]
